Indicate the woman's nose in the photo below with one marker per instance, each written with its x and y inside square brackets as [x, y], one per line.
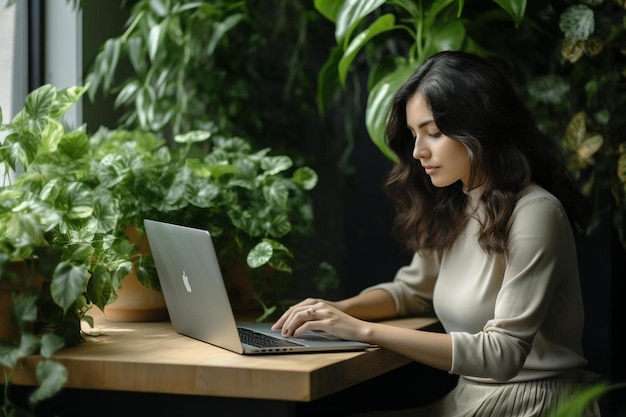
[419, 152]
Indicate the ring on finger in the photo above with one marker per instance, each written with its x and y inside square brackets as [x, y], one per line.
[310, 312]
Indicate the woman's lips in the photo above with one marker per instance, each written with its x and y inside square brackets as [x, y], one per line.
[430, 169]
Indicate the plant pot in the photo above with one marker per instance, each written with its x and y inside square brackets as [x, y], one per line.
[136, 302]
[246, 288]
[8, 328]
[240, 289]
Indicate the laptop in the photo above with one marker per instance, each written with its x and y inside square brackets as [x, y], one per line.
[198, 304]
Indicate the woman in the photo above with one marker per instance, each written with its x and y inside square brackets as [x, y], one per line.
[486, 204]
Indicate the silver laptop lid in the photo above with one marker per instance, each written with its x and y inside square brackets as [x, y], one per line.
[192, 284]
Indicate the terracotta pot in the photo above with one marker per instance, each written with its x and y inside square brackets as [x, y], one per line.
[134, 301]
[8, 329]
[240, 289]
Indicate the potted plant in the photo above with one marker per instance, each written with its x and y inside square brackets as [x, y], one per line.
[255, 204]
[66, 213]
[58, 226]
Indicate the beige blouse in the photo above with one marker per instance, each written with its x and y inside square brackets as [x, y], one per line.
[512, 319]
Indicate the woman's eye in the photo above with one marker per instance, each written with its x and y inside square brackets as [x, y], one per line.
[435, 134]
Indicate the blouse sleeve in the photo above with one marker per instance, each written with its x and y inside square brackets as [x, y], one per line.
[542, 253]
[413, 285]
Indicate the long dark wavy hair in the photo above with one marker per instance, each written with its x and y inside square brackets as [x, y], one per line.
[476, 105]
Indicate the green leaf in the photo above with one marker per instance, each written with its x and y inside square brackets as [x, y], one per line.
[326, 277]
[106, 211]
[39, 103]
[68, 282]
[329, 8]
[193, 136]
[159, 8]
[100, 286]
[379, 105]
[446, 36]
[383, 24]
[277, 226]
[135, 48]
[350, 15]
[21, 149]
[10, 354]
[66, 98]
[433, 16]
[144, 102]
[280, 263]
[77, 199]
[273, 165]
[328, 79]
[179, 8]
[413, 9]
[580, 400]
[305, 177]
[24, 308]
[80, 252]
[127, 95]
[515, 8]
[154, 39]
[51, 343]
[203, 195]
[198, 168]
[281, 260]
[51, 135]
[29, 344]
[276, 194]
[220, 29]
[577, 22]
[114, 169]
[621, 165]
[120, 273]
[146, 276]
[24, 229]
[74, 144]
[108, 61]
[259, 255]
[51, 376]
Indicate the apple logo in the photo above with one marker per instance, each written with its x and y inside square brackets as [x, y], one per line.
[186, 282]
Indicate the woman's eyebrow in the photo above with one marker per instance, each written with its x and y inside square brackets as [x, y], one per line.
[421, 125]
[426, 122]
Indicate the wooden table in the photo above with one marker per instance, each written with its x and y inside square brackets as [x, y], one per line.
[153, 358]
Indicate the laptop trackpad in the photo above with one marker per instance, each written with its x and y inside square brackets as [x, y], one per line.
[318, 336]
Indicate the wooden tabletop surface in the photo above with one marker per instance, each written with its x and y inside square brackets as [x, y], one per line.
[152, 357]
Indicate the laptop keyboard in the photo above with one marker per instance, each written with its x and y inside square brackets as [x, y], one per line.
[262, 340]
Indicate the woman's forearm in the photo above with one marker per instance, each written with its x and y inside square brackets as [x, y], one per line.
[372, 305]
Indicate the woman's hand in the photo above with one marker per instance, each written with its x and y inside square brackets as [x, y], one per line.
[319, 315]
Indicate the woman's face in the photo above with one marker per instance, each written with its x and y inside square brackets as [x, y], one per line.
[445, 160]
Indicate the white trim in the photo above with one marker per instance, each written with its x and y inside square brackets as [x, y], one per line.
[63, 52]
[14, 58]
[14, 67]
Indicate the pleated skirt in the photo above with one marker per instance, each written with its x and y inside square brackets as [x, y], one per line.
[537, 398]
